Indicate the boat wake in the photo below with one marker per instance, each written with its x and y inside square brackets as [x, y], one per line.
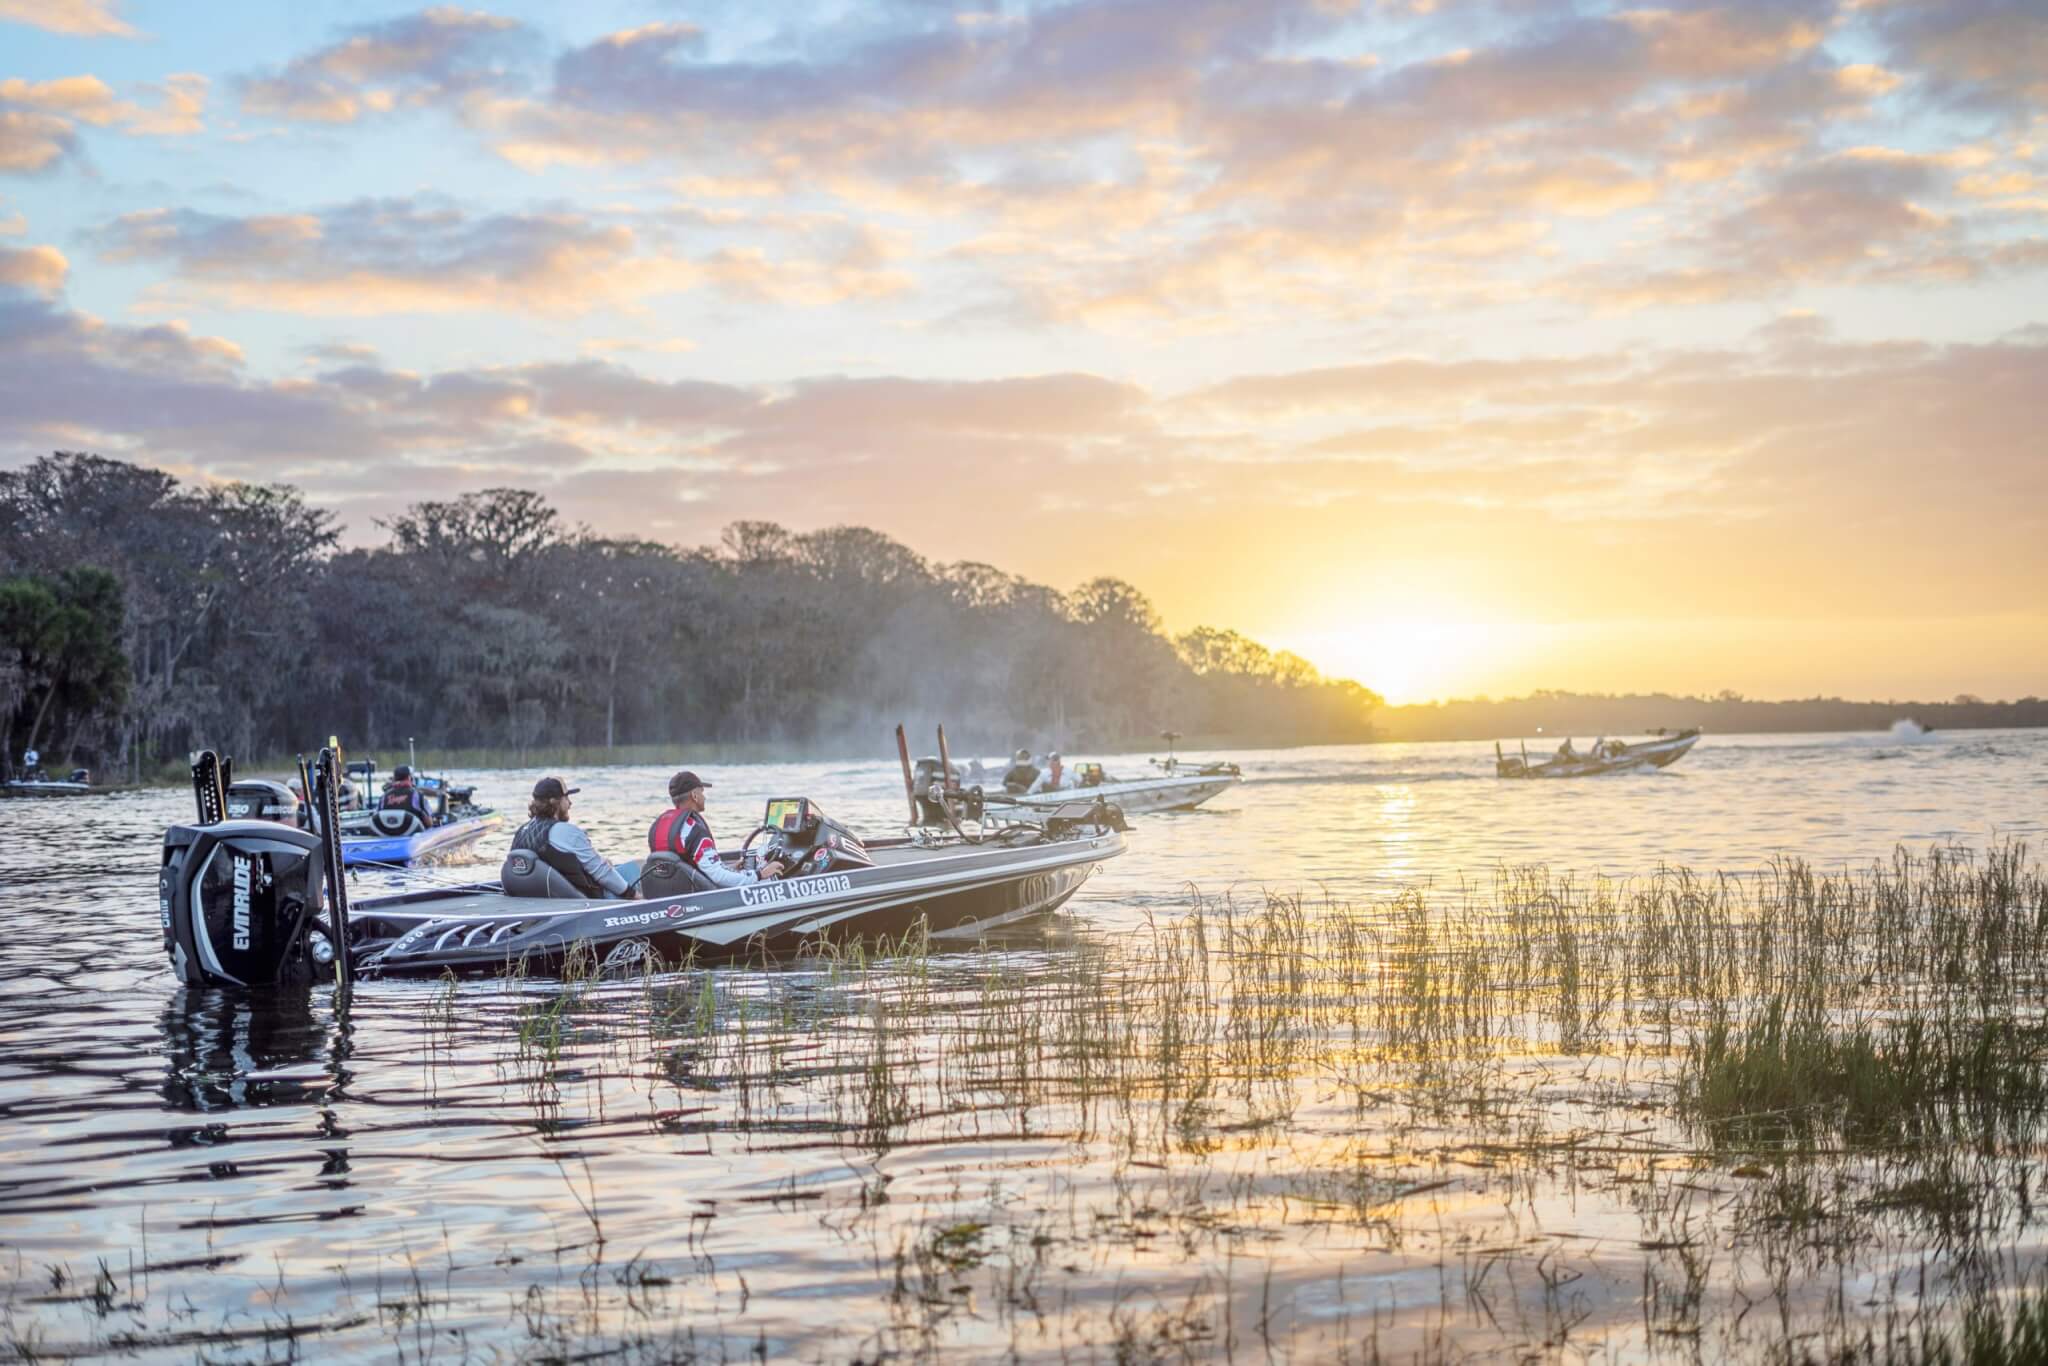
[1361, 778]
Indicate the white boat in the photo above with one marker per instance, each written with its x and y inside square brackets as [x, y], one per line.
[939, 790]
[1175, 789]
[1660, 750]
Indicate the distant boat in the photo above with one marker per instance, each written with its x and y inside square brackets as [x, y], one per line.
[40, 784]
[1180, 786]
[1661, 750]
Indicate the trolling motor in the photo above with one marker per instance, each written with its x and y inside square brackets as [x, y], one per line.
[241, 900]
[933, 786]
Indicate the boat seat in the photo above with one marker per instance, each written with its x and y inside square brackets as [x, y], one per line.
[523, 874]
[396, 820]
[666, 875]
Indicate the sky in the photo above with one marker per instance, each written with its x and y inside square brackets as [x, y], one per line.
[1463, 348]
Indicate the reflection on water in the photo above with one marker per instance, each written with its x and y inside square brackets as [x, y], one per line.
[1090, 1142]
[234, 1050]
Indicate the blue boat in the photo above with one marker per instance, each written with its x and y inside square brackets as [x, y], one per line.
[434, 845]
[373, 837]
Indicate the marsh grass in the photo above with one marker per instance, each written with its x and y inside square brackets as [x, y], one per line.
[1671, 1116]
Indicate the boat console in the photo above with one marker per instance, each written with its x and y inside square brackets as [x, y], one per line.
[806, 841]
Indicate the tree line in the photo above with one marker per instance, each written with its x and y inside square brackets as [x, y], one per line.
[141, 617]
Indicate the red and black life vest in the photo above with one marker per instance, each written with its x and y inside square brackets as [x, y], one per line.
[679, 832]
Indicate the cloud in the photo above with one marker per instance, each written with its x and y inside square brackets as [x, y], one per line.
[37, 270]
[396, 255]
[427, 254]
[39, 119]
[1380, 383]
[917, 89]
[180, 102]
[408, 62]
[32, 142]
[1982, 54]
[79, 18]
[1869, 215]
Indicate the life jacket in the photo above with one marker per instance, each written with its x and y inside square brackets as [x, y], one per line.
[679, 832]
[408, 798]
[1020, 778]
[533, 837]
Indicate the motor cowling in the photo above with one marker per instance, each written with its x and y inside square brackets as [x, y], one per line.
[262, 799]
[237, 900]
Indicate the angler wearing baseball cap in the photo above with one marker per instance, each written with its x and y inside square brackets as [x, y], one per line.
[402, 793]
[1023, 773]
[550, 837]
[681, 830]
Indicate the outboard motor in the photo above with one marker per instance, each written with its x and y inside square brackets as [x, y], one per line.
[259, 799]
[238, 901]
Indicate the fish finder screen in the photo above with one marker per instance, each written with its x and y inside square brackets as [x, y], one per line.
[787, 814]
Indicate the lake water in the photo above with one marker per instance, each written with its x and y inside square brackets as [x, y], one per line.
[196, 1174]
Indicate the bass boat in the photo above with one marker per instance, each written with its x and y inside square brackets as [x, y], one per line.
[1178, 786]
[253, 902]
[935, 785]
[1607, 756]
[372, 837]
[39, 784]
[382, 837]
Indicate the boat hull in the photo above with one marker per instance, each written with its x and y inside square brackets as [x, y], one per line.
[958, 894]
[1140, 796]
[437, 845]
[18, 788]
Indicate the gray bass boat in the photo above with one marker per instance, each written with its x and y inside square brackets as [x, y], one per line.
[1660, 750]
[253, 902]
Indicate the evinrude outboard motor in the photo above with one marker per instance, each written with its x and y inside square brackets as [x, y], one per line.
[238, 901]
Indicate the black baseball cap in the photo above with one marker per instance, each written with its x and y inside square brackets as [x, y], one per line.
[685, 781]
[402, 771]
[547, 789]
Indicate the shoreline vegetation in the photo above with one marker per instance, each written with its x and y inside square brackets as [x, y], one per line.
[1781, 1116]
[141, 618]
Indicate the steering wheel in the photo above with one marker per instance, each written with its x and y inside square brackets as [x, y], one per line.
[774, 851]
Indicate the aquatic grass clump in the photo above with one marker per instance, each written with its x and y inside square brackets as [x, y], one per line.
[1932, 1075]
[1992, 1333]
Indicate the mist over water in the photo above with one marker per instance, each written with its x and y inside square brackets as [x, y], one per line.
[259, 1134]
